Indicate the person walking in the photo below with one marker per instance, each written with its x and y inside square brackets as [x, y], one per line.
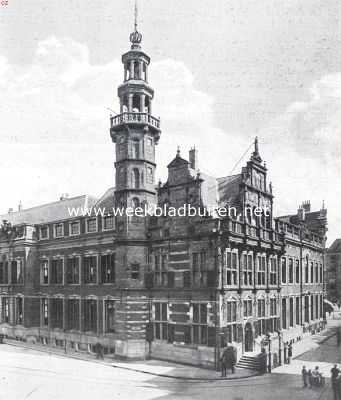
[310, 379]
[289, 353]
[305, 376]
[223, 363]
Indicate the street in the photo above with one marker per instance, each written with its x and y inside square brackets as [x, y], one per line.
[34, 375]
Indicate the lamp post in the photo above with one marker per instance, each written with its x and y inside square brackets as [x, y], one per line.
[279, 348]
[269, 351]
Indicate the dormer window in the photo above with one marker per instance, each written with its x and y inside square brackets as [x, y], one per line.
[44, 232]
[91, 225]
[58, 230]
[74, 228]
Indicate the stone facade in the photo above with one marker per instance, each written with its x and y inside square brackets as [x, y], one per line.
[333, 269]
[176, 288]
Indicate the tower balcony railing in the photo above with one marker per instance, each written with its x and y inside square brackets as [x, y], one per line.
[134, 117]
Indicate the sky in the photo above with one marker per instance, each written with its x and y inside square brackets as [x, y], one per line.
[223, 72]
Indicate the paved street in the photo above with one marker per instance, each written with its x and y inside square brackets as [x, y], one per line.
[28, 374]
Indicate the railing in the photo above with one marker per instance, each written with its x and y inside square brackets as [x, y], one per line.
[134, 117]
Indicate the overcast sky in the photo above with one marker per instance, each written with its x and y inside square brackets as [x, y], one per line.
[223, 72]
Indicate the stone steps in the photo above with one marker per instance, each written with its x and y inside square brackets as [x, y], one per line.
[249, 362]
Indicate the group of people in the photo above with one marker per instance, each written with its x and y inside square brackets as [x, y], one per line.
[312, 378]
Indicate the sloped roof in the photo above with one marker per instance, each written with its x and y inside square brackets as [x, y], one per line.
[177, 161]
[106, 202]
[56, 211]
[229, 189]
[335, 247]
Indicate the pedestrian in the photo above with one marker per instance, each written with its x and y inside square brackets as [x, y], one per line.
[310, 379]
[337, 393]
[223, 364]
[289, 353]
[305, 377]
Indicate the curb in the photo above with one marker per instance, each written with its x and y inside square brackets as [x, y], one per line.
[110, 364]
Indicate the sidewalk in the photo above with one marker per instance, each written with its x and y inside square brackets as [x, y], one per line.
[159, 368]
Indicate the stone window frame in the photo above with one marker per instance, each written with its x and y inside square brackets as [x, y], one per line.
[231, 267]
[71, 223]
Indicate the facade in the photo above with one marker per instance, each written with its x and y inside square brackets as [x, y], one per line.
[176, 288]
[333, 272]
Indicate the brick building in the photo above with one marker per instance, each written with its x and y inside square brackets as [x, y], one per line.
[333, 272]
[176, 288]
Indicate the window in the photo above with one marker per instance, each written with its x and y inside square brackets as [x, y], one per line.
[135, 149]
[231, 318]
[291, 270]
[284, 270]
[44, 232]
[273, 271]
[291, 312]
[161, 270]
[16, 272]
[297, 311]
[247, 304]
[261, 270]
[312, 307]
[231, 268]
[135, 271]
[5, 309]
[199, 327]
[248, 261]
[273, 321]
[297, 271]
[284, 313]
[90, 315]
[90, 269]
[91, 225]
[3, 272]
[306, 309]
[261, 316]
[73, 314]
[311, 272]
[19, 310]
[56, 313]
[72, 270]
[306, 271]
[136, 178]
[108, 268]
[316, 306]
[74, 228]
[108, 222]
[45, 312]
[58, 230]
[57, 271]
[321, 273]
[161, 321]
[317, 273]
[110, 316]
[199, 268]
[44, 267]
[273, 307]
[150, 175]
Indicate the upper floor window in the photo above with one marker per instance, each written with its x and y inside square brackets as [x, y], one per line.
[247, 305]
[199, 268]
[231, 268]
[161, 321]
[311, 272]
[261, 272]
[231, 311]
[248, 269]
[74, 228]
[297, 271]
[306, 271]
[316, 273]
[273, 307]
[161, 269]
[135, 271]
[91, 225]
[284, 270]
[44, 267]
[44, 232]
[17, 272]
[273, 271]
[72, 271]
[90, 269]
[57, 271]
[58, 230]
[291, 270]
[261, 308]
[135, 149]
[108, 268]
[3, 272]
[108, 222]
[321, 273]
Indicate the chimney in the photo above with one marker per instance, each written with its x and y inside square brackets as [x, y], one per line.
[20, 206]
[301, 213]
[193, 158]
[64, 196]
[306, 206]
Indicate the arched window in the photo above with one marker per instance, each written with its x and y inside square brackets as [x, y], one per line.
[136, 70]
[136, 178]
[136, 103]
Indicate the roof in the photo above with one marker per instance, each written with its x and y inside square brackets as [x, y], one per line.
[177, 161]
[335, 247]
[56, 211]
[106, 202]
[229, 189]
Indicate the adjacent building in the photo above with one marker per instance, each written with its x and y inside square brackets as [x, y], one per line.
[333, 272]
[170, 287]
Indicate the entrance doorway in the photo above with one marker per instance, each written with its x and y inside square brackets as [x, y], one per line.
[248, 337]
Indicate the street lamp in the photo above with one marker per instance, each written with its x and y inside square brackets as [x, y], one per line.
[269, 351]
[279, 347]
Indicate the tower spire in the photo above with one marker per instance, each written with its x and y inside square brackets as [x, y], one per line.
[255, 155]
[136, 36]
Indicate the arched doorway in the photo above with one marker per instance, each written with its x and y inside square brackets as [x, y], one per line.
[248, 337]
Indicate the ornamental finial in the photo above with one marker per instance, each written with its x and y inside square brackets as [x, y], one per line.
[136, 36]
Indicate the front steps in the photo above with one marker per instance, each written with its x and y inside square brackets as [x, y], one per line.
[250, 361]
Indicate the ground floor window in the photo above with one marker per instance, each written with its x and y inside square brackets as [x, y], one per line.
[56, 313]
[161, 321]
[110, 316]
[19, 310]
[5, 309]
[73, 314]
[4, 272]
[297, 311]
[199, 327]
[90, 315]
[45, 311]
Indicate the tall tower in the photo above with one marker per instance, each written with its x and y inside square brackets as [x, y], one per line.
[135, 132]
